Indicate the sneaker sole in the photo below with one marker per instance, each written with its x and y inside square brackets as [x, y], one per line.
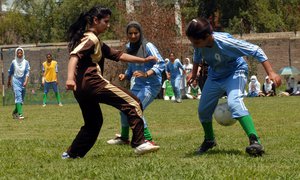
[156, 148]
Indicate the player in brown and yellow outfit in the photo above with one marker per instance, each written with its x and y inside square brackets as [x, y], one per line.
[85, 78]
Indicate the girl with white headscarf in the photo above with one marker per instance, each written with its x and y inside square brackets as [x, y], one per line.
[188, 67]
[18, 74]
[254, 87]
[268, 87]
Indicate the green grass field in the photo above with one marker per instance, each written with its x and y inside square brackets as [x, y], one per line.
[31, 149]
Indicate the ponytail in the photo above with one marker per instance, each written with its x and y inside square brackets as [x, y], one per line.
[77, 29]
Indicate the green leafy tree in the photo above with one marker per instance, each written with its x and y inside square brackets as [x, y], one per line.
[35, 21]
[245, 16]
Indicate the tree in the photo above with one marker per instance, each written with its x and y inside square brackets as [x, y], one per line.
[44, 21]
[158, 22]
[245, 16]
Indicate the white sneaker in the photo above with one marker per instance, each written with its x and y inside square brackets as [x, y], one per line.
[117, 141]
[44, 105]
[146, 147]
[65, 155]
[60, 104]
[179, 100]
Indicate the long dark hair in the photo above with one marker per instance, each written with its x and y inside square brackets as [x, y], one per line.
[77, 29]
[199, 28]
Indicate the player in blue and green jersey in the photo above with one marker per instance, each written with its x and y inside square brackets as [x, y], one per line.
[145, 78]
[227, 73]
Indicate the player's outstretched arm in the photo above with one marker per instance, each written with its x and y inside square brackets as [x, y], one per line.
[272, 75]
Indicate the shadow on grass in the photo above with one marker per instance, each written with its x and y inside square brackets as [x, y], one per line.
[215, 151]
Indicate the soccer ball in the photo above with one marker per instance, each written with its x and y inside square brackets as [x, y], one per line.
[223, 116]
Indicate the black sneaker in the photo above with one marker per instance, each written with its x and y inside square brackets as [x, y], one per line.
[254, 149]
[205, 146]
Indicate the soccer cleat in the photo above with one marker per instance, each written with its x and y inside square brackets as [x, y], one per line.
[65, 155]
[60, 104]
[44, 105]
[20, 117]
[118, 140]
[146, 147]
[205, 146]
[254, 149]
[15, 115]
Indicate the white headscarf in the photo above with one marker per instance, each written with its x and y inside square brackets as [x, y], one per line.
[20, 63]
[268, 86]
[254, 85]
[188, 67]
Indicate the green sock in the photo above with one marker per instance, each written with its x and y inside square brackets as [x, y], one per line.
[125, 133]
[57, 97]
[44, 98]
[19, 108]
[16, 109]
[147, 134]
[208, 130]
[248, 125]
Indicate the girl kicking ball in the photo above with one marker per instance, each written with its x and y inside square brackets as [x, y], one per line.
[227, 74]
[85, 78]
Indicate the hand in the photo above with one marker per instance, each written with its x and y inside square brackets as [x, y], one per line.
[25, 84]
[151, 58]
[121, 77]
[71, 85]
[190, 79]
[43, 83]
[8, 83]
[275, 78]
[139, 74]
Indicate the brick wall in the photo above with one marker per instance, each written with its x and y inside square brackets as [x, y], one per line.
[275, 45]
[37, 55]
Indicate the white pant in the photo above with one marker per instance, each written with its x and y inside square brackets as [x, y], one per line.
[167, 98]
[191, 97]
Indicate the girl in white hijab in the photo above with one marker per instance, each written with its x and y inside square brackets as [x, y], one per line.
[254, 87]
[18, 74]
[188, 67]
[269, 87]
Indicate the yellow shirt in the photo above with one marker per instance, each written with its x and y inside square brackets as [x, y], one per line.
[50, 71]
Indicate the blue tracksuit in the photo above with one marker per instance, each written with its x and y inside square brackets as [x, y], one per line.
[176, 76]
[227, 73]
[146, 89]
[19, 71]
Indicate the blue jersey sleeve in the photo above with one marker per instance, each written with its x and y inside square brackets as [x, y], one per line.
[159, 67]
[179, 65]
[129, 71]
[11, 69]
[197, 57]
[167, 67]
[237, 48]
[27, 69]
